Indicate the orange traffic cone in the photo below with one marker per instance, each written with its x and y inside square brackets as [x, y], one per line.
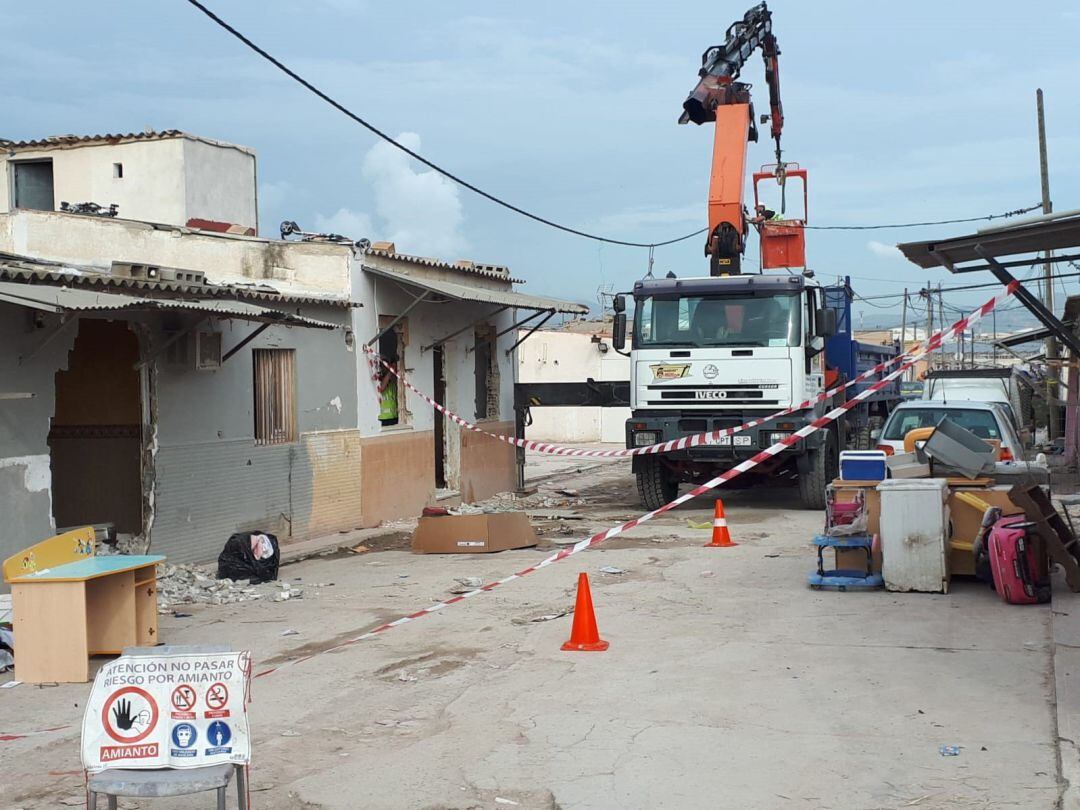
[584, 636]
[721, 537]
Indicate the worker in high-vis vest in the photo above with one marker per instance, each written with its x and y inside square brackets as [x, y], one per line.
[388, 398]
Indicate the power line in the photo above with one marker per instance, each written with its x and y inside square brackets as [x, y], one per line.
[416, 156]
[899, 296]
[1013, 213]
[510, 206]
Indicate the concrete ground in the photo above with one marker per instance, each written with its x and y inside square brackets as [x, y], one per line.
[728, 684]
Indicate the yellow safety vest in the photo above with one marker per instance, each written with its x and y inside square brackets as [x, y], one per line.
[388, 406]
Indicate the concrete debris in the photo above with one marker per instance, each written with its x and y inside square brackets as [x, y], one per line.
[515, 502]
[197, 585]
[466, 584]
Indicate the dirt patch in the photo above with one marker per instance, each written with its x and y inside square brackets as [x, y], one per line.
[434, 664]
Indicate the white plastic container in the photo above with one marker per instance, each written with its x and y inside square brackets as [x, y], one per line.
[914, 534]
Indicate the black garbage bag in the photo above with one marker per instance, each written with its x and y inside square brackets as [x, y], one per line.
[237, 561]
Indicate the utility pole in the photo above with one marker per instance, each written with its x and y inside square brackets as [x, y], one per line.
[925, 293]
[903, 331]
[941, 318]
[1052, 368]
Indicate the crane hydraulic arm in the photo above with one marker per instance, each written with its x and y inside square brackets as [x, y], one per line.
[720, 98]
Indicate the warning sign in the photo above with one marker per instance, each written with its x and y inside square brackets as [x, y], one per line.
[217, 696]
[143, 712]
[183, 701]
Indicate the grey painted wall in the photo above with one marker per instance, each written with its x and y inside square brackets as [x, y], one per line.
[25, 502]
[212, 479]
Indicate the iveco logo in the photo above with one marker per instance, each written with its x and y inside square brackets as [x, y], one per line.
[710, 371]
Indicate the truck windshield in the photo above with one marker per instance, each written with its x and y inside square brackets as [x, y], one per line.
[719, 321]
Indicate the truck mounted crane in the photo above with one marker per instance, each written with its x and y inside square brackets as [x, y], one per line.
[714, 352]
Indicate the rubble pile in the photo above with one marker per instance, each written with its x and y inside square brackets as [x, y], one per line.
[515, 502]
[194, 584]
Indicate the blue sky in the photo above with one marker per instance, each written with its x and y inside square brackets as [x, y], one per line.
[901, 111]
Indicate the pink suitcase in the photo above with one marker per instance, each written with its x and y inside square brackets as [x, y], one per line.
[1019, 575]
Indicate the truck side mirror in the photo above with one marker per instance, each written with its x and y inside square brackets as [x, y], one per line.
[618, 331]
[825, 322]
[618, 303]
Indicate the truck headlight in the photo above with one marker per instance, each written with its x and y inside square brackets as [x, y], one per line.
[778, 436]
[643, 438]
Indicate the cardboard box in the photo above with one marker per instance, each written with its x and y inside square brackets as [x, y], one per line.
[473, 534]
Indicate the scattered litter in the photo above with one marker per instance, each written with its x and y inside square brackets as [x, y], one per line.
[611, 569]
[403, 576]
[546, 617]
[501, 800]
[708, 574]
[9, 684]
[949, 750]
[176, 614]
[290, 632]
[771, 556]
[360, 549]
[570, 493]
[405, 677]
[290, 733]
[706, 524]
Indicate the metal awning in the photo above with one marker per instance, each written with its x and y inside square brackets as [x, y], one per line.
[1031, 235]
[68, 299]
[483, 295]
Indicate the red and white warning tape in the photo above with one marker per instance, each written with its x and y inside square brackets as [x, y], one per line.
[935, 341]
[614, 531]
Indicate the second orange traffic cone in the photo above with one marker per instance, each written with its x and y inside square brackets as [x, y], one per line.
[584, 635]
[721, 537]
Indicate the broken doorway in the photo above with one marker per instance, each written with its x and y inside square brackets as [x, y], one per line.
[95, 440]
[438, 363]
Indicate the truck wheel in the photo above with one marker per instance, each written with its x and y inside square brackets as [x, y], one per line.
[817, 470]
[655, 484]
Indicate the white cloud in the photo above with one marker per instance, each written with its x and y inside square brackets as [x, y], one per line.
[882, 249]
[348, 223]
[419, 211]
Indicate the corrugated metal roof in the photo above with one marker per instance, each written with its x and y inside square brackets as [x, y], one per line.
[465, 292]
[61, 141]
[468, 267]
[41, 271]
[1048, 232]
[67, 299]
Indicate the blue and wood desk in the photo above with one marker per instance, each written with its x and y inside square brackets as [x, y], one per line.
[70, 604]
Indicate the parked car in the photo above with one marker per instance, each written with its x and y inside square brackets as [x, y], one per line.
[987, 420]
[911, 389]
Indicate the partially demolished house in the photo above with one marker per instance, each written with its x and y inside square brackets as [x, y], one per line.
[184, 380]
